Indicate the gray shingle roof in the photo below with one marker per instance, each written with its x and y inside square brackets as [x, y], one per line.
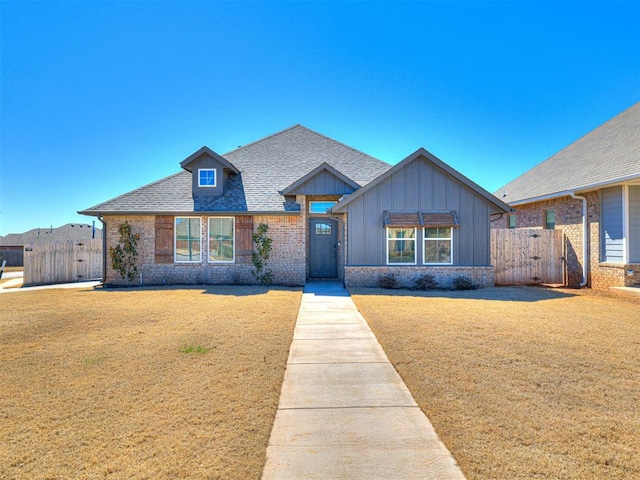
[266, 167]
[607, 155]
[70, 231]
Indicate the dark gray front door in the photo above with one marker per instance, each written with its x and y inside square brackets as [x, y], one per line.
[323, 248]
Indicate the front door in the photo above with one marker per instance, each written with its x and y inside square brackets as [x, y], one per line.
[323, 248]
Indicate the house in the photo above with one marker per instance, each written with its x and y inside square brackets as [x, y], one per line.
[332, 212]
[590, 190]
[12, 245]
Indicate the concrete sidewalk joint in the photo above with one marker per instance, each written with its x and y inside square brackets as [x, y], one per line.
[344, 412]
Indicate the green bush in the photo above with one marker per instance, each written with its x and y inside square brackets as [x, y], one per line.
[426, 282]
[388, 280]
[464, 283]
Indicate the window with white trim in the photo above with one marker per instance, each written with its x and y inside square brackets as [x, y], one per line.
[221, 239]
[438, 246]
[207, 177]
[188, 240]
[512, 221]
[401, 246]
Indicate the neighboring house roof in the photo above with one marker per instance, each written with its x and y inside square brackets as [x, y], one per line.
[608, 155]
[500, 207]
[267, 167]
[70, 231]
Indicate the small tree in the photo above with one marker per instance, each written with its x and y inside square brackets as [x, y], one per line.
[125, 255]
[262, 249]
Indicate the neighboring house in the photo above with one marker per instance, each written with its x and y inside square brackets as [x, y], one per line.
[12, 245]
[332, 212]
[590, 190]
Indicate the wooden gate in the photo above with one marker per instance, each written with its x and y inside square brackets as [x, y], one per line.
[67, 261]
[528, 256]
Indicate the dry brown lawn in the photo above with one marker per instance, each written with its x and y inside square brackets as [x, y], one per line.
[520, 382]
[141, 383]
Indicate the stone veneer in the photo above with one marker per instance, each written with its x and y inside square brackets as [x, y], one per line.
[569, 220]
[368, 276]
[287, 257]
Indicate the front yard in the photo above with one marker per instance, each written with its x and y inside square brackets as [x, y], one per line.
[520, 382]
[142, 383]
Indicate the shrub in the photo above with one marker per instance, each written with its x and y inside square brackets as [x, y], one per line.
[464, 283]
[388, 280]
[262, 249]
[426, 282]
[124, 256]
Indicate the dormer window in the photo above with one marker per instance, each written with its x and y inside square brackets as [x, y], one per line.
[207, 177]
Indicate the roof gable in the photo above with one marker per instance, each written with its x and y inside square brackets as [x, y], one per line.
[421, 153]
[323, 180]
[206, 151]
[608, 155]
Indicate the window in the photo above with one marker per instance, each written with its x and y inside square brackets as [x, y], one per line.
[206, 177]
[187, 239]
[320, 207]
[323, 229]
[549, 219]
[437, 245]
[512, 221]
[221, 239]
[401, 245]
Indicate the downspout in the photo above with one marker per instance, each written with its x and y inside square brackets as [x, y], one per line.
[104, 248]
[585, 239]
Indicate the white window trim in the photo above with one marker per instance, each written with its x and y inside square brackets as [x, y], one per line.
[414, 239]
[175, 241]
[424, 244]
[215, 177]
[233, 221]
[311, 203]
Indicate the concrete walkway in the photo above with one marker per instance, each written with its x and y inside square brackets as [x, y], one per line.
[344, 412]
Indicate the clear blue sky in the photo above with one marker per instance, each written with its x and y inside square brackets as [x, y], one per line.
[99, 98]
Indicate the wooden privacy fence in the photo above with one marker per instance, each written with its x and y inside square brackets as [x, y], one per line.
[528, 256]
[62, 261]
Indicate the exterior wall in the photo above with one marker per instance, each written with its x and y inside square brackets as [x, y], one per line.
[569, 220]
[287, 258]
[420, 186]
[368, 276]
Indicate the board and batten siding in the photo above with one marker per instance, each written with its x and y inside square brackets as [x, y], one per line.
[420, 186]
[634, 224]
[611, 213]
[324, 183]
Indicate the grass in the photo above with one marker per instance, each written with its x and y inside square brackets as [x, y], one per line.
[141, 383]
[520, 383]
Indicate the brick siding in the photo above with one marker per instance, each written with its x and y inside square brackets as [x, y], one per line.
[287, 258]
[368, 276]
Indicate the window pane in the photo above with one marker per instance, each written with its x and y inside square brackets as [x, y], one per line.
[402, 251]
[393, 232]
[320, 207]
[437, 251]
[550, 219]
[221, 239]
[323, 229]
[512, 221]
[187, 239]
[437, 233]
[207, 177]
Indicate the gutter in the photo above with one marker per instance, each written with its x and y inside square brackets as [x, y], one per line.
[582, 188]
[585, 239]
[104, 248]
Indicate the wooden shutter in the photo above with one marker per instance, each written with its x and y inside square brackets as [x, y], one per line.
[244, 242]
[164, 239]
